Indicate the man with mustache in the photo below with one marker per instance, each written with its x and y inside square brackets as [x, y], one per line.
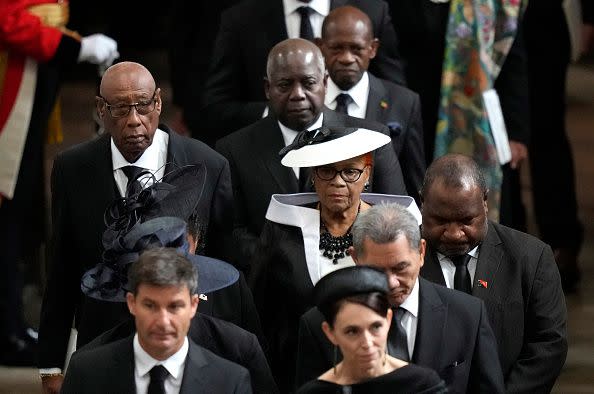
[87, 178]
[514, 273]
[433, 326]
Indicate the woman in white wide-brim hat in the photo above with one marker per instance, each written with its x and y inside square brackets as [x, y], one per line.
[308, 235]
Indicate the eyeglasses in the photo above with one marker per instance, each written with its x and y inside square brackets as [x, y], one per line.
[122, 110]
[347, 174]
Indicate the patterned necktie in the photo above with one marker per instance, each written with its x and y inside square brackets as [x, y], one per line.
[305, 30]
[462, 276]
[342, 103]
[398, 343]
[133, 186]
[158, 375]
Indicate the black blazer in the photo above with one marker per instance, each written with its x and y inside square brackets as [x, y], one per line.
[421, 26]
[224, 339]
[257, 172]
[82, 188]
[525, 304]
[234, 91]
[110, 369]
[399, 109]
[453, 338]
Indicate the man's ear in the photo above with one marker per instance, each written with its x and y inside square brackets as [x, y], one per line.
[329, 332]
[422, 249]
[375, 43]
[319, 42]
[131, 301]
[267, 88]
[100, 106]
[353, 253]
[194, 303]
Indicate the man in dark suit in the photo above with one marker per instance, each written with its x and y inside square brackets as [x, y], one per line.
[442, 329]
[159, 357]
[87, 178]
[295, 88]
[348, 46]
[421, 29]
[233, 96]
[512, 272]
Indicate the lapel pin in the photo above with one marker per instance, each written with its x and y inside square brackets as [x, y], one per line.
[483, 283]
[384, 104]
[203, 297]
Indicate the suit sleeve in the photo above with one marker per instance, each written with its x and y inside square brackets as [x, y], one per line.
[485, 373]
[74, 379]
[387, 174]
[545, 335]
[255, 360]
[512, 87]
[413, 152]
[218, 236]
[244, 384]
[387, 63]
[62, 287]
[224, 108]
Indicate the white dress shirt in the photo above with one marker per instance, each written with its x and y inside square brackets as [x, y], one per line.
[411, 317]
[449, 269]
[359, 93]
[293, 18]
[143, 363]
[153, 159]
[289, 135]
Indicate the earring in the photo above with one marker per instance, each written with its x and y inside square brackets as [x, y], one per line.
[366, 187]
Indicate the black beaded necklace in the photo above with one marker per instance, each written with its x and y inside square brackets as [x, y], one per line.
[335, 248]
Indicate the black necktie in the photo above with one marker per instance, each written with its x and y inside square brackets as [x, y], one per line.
[342, 103]
[133, 186]
[462, 276]
[158, 376]
[398, 342]
[305, 31]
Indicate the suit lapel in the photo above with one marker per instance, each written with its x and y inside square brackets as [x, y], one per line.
[377, 93]
[430, 326]
[101, 175]
[431, 269]
[274, 19]
[194, 380]
[489, 261]
[123, 366]
[176, 154]
[273, 138]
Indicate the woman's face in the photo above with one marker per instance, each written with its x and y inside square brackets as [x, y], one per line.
[361, 335]
[336, 194]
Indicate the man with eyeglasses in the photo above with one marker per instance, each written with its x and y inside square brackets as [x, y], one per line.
[295, 87]
[134, 151]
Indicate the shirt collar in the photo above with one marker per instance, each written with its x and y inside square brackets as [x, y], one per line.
[174, 364]
[322, 7]
[290, 134]
[411, 304]
[358, 93]
[150, 157]
[473, 253]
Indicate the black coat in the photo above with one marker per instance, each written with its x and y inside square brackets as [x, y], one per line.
[82, 188]
[525, 304]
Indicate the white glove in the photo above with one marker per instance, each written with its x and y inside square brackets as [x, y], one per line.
[98, 49]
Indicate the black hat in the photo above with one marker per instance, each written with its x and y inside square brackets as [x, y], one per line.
[328, 145]
[349, 281]
[108, 280]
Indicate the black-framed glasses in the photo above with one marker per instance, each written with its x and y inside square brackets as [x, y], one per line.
[141, 107]
[347, 174]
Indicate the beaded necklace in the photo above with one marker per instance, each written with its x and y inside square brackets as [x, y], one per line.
[335, 248]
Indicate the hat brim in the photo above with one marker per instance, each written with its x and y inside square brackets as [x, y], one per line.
[346, 147]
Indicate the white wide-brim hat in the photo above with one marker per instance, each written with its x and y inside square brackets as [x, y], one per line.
[331, 145]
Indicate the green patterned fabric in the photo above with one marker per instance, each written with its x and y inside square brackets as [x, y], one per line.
[478, 38]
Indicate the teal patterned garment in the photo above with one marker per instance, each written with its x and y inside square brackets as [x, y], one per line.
[479, 36]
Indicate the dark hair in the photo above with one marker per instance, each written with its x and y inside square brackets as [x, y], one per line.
[162, 267]
[376, 301]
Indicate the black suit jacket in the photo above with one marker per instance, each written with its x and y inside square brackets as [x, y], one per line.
[421, 27]
[82, 188]
[110, 369]
[453, 338]
[257, 172]
[234, 91]
[525, 303]
[224, 339]
[399, 109]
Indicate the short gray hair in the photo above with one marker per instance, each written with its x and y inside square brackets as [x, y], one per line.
[385, 223]
[162, 267]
